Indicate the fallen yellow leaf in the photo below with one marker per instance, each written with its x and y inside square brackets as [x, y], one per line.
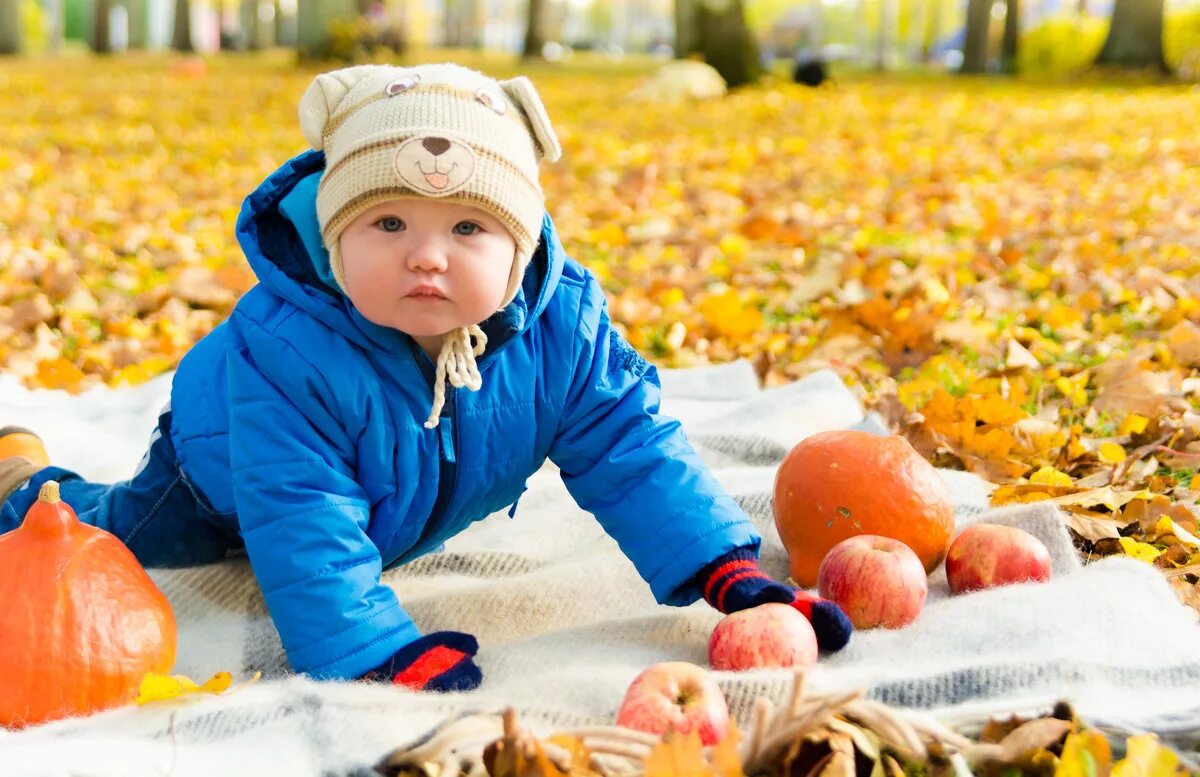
[163, 687]
[1145, 757]
[1133, 424]
[1084, 754]
[1139, 550]
[1111, 453]
[1165, 528]
[1049, 476]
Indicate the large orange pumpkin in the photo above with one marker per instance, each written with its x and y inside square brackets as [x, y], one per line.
[81, 622]
[834, 485]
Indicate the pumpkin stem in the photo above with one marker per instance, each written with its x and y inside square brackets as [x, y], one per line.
[50, 515]
[49, 492]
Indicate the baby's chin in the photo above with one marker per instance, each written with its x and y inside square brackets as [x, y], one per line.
[431, 322]
[422, 326]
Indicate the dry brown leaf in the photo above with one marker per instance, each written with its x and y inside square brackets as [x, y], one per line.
[865, 741]
[1093, 526]
[1183, 340]
[200, 285]
[840, 764]
[1028, 738]
[517, 754]
[1017, 356]
[995, 470]
[997, 729]
[1175, 556]
[1106, 497]
[1127, 386]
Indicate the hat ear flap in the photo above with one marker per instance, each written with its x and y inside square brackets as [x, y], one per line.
[520, 90]
[322, 98]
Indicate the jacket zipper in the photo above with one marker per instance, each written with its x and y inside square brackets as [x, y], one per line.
[448, 446]
[447, 432]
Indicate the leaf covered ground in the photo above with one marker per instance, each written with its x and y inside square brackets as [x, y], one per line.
[1008, 272]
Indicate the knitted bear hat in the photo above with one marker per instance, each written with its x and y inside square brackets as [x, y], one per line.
[431, 131]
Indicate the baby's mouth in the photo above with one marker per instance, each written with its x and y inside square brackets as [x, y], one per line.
[427, 294]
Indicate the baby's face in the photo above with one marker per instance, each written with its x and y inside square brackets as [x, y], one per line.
[426, 267]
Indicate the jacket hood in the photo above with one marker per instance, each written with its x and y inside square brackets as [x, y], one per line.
[278, 231]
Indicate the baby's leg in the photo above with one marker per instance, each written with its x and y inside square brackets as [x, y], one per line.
[157, 513]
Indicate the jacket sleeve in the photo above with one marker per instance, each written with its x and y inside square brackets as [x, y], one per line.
[303, 516]
[634, 469]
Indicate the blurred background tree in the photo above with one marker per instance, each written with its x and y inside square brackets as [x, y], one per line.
[740, 38]
[1135, 36]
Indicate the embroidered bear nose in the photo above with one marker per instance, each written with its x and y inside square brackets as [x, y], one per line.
[436, 146]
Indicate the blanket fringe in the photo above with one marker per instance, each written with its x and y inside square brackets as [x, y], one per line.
[495, 745]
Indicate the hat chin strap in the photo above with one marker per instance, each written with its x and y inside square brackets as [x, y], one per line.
[456, 360]
[456, 364]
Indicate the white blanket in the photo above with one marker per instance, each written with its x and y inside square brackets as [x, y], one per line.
[565, 622]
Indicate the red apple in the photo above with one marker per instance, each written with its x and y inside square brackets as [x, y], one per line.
[877, 581]
[770, 635]
[676, 696]
[987, 555]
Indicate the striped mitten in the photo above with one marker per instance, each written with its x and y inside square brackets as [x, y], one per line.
[734, 582]
[441, 661]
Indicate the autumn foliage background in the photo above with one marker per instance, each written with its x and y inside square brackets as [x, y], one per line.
[1006, 270]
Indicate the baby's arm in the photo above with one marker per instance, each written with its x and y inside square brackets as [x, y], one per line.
[304, 517]
[634, 469]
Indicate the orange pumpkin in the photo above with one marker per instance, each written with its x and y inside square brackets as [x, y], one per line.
[19, 442]
[81, 622]
[834, 485]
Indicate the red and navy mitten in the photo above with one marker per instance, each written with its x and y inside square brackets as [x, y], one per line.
[441, 661]
[734, 582]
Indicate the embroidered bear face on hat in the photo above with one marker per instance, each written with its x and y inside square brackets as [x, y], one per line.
[435, 165]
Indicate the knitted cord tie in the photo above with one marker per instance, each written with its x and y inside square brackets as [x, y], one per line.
[456, 363]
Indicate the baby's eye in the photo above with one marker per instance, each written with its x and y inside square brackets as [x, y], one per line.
[390, 224]
[466, 228]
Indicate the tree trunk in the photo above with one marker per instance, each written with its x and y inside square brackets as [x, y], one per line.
[1012, 34]
[283, 32]
[462, 23]
[54, 33]
[918, 14]
[451, 23]
[251, 24]
[687, 34]
[181, 34]
[975, 47]
[101, 39]
[725, 41]
[10, 27]
[885, 42]
[932, 31]
[138, 31]
[1135, 38]
[312, 23]
[535, 37]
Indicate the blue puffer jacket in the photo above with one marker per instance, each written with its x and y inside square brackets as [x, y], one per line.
[301, 422]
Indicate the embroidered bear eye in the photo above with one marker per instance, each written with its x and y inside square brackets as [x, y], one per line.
[491, 100]
[402, 84]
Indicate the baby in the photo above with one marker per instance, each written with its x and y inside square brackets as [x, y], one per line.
[324, 427]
